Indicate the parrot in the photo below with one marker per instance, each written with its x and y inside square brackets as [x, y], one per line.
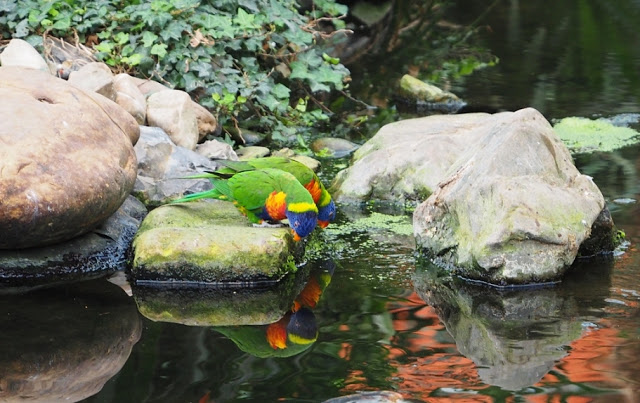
[305, 175]
[265, 195]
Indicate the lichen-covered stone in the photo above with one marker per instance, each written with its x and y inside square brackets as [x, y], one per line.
[513, 208]
[210, 242]
[420, 90]
[406, 159]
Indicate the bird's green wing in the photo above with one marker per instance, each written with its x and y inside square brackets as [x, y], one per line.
[303, 173]
[251, 188]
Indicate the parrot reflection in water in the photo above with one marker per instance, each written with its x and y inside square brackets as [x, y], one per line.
[299, 325]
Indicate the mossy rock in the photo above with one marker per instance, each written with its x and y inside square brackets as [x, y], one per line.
[210, 242]
[419, 90]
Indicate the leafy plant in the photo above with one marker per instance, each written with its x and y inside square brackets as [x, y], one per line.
[257, 63]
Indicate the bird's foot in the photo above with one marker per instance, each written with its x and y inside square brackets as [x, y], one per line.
[267, 224]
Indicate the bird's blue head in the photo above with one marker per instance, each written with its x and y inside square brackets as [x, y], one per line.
[326, 214]
[302, 327]
[302, 224]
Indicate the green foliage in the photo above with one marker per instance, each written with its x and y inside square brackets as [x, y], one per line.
[252, 61]
[454, 69]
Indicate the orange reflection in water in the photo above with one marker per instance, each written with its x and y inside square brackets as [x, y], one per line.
[426, 364]
[595, 360]
[425, 360]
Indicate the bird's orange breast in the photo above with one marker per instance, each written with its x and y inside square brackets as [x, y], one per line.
[276, 206]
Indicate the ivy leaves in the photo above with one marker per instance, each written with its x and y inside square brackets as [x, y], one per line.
[256, 62]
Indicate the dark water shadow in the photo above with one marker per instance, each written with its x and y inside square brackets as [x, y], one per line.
[64, 343]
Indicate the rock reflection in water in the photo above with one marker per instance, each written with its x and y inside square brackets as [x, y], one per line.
[514, 336]
[64, 343]
[267, 322]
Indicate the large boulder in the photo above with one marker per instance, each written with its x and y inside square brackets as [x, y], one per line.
[67, 160]
[513, 208]
[406, 159]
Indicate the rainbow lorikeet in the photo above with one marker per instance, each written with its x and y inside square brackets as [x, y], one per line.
[305, 175]
[265, 195]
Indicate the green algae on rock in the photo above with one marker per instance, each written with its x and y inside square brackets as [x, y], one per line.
[582, 135]
[210, 242]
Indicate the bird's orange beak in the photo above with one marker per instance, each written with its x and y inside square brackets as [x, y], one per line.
[323, 224]
[296, 237]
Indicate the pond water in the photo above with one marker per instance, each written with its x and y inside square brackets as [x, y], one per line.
[384, 323]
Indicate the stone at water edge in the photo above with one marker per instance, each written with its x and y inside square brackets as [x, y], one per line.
[514, 208]
[422, 91]
[406, 159]
[216, 150]
[67, 160]
[98, 253]
[210, 242]
[247, 153]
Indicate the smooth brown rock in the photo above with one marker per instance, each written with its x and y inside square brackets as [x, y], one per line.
[66, 161]
[206, 122]
[20, 53]
[95, 77]
[173, 112]
[129, 97]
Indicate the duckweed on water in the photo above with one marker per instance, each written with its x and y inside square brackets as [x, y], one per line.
[582, 135]
[397, 224]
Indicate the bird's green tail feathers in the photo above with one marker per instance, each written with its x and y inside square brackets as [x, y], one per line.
[220, 191]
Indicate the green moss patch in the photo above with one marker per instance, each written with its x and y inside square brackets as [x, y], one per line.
[582, 135]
